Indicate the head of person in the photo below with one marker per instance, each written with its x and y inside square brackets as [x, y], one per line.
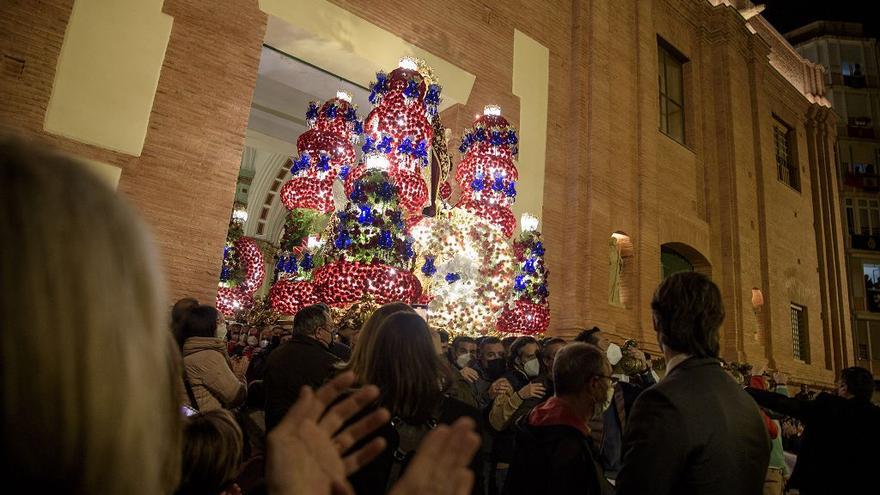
[200, 321]
[315, 322]
[365, 336]
[80, 276]
[523, 356]
[212, 447]
[265, 338]
[411, 383]
[549, 350]
[595, 336]
[507, 342]
[277, 331]
[444, 341]
[856, 383]
[490, 353]
[582, 375]
[688, 313]
[178, 312]
[463, 351]
[234, 332]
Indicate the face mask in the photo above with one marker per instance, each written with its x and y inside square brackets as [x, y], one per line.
[462, 360]
[602, 407]
[532, 367]
[264, 343]
[221, 330]
[614, 354]
[252, 341]
[495, 368]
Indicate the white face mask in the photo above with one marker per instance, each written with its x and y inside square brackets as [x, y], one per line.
[614, 353]
[601, 408]
[264, 343]
[252, 341]
[462, 360]
[532, 367]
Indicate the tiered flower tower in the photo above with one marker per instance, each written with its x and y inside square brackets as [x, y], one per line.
[242, 271]
[529, 312]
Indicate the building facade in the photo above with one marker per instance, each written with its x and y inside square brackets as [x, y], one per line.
[852, 80]
[684, 134]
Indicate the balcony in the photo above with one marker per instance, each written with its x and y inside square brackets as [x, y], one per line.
[866, 241]
[860, 127]
[855, 81]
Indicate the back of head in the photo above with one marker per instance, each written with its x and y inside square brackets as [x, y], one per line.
[688, 313]
[200, 321]
[178, 311]
[588, 336]
[309, 319]
[575, 364]
[368, 332]
[212, 447]
[859, 382]
[403, 363]
[84, 325]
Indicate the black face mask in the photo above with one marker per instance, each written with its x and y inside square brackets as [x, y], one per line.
[495, 368]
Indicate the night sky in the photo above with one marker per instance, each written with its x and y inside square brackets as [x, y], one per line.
[786, 15]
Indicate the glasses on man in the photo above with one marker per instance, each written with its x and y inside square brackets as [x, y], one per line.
[613, 379]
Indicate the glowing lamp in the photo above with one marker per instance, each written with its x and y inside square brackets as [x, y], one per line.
[494, 110]
[239, 213]
[344, 96]
[313, 242]
[408, 63]
[528, 222]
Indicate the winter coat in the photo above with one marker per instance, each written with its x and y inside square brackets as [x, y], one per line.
[553, 454]
[209, 372]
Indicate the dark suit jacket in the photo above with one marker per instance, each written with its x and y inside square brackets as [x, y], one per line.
[302, 361]
[841, 437]
[695, 432]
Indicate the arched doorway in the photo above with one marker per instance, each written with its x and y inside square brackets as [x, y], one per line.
[676, 257]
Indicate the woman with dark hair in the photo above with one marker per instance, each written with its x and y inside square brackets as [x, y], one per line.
[208, 370]
[402, 361]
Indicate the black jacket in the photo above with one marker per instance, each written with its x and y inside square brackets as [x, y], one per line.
[695, 432]
[374, 477]
[302, 361]
[839, 449]
[553, 459]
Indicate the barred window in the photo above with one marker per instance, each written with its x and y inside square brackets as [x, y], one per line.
[786, 163]
[800, 341]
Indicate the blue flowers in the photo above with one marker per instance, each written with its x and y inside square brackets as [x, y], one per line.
[385, 146]
[385, 240]
[511, 189]
[324, 162]
[312, 112]
[412, 89]
[428, 268]
[351, 114]
[330, 111]
[300, 164]
[498, 184]
[344, 171]
[452, 277]
[369, 145]
[477, 184]
[366, 215]
[378, 88]
[342, 241]
[307, 263]
[386, 190]
[529, 266]
[538, 249]
[519, 283]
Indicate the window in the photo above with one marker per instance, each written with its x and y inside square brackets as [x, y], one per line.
[867, 219]
[672, 262]
[872, 287]
[850, 217]
[786, 164]
[800, 341]
[671, 91]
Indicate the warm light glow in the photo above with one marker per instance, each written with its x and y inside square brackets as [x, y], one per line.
[239, 214]
[492, 110]
[313, 242]
[528, 222]
[344, 95]
[376, 162]
[408, 63]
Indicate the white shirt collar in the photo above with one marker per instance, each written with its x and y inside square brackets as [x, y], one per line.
[674, 361]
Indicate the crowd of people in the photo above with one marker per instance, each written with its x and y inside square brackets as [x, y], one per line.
[104, 394]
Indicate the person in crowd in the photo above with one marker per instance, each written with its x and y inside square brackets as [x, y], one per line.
[490, 367]
[305, 360]
[444, 341]
[552, 452]
[412, 386]
[257, 366]
[841, 434]
[463, 351]
[804, 393]
[507, 342]
[696, 431]
[607, 430]
[212, 446]
[339, 349]
[178, 312]
[232, 337]
[367, 332]
[107, 430]
[777, 471]
[208, 369]
[549, 348]
[527, 390]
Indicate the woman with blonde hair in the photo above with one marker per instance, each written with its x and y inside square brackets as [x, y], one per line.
[212, 447]
[90, 395]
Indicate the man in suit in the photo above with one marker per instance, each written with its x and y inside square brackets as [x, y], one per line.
[696, 431]
[305, 360]
[841, 434]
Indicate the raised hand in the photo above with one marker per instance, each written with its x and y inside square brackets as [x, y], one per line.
[498, 387]
[532, 390]
[304, 452]
[470, 374]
